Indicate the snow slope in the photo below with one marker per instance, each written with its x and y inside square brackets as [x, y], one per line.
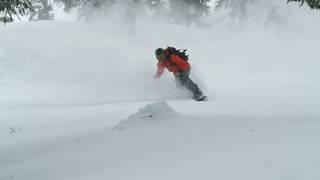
[160, 143]
[71, 92]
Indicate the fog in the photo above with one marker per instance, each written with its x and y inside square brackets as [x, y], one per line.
[271, 52]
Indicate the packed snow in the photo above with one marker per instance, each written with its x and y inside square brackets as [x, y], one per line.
[78, 100]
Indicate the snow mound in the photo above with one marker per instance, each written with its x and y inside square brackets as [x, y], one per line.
[151, 112]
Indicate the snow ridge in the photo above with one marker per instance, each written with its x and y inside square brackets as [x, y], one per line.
[151, 112]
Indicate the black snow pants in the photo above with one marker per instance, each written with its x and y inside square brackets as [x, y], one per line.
[183, 81]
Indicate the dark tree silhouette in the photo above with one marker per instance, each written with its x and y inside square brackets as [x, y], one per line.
[10, 8]
[313, 4]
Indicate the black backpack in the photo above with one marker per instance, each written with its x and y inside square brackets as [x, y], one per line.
[181, 53]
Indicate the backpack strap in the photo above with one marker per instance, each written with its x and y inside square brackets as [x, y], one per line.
[168, 54]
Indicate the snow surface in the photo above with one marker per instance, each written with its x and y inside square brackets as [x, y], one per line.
[159, 143]
[78, 101]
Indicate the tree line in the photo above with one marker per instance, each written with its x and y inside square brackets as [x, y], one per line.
[180, 11]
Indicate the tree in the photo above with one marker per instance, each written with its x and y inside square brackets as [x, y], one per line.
[153, 3]
[10, 8]
[68, 4]
[188, 11]
[263, 11]
[42, 10]
[239, 4]
[313, 4]
[237, 9]
[178, 11]
[87, 8]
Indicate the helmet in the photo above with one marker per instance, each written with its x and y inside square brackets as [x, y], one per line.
[159, 51]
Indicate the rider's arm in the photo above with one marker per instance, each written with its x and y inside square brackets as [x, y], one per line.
[160, 70]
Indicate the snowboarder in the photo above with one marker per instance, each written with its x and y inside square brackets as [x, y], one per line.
[177, 62]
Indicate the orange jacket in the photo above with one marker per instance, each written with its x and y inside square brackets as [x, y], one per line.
[176, 64]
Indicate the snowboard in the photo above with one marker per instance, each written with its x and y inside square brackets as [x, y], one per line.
[203, 98]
